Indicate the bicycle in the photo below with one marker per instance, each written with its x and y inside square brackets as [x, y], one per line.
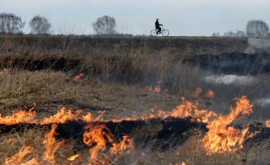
[164, 32]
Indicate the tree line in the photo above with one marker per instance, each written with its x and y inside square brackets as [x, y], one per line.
[12, 24]
[106, 25]
[254, 28]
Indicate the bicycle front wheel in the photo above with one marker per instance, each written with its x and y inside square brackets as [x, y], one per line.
[165, 32]
[153, 32]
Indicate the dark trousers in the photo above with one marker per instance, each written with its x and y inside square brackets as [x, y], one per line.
[159, 29]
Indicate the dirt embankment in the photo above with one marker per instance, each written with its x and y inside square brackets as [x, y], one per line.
[86, 45]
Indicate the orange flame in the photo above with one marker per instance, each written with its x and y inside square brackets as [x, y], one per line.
[125, 145]
[187, 109]
[267, 123]
[183, 163]
[10, 140]
[5, 70]
[197, 92]
[62, 116]
[20, 157]
[156, 89]
[223, 138]
[76, 78]
[18, 117]
[73, 157]
[51, 145]
[209, 93]
[219, 139]
[96, 137]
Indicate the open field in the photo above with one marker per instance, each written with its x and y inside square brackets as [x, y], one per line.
[141, 100]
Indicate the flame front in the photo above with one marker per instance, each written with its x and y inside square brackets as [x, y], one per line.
[62, 116]
[223, 138]
[220, 138]
[96, 137]
[125, 145]
[20, 157]
[18, 117]
[51, 145]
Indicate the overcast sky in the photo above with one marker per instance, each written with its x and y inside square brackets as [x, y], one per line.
[181, 17]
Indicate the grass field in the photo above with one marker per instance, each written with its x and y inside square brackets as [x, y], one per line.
[121, 77]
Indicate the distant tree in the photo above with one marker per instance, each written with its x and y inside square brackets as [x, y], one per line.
[240, 34]
[233, 34]
[215, 35]
[40, 25]
[10, 23]
[257, 28]
[105, 25]
[229, 34]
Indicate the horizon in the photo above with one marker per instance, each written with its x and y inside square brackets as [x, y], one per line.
[182, 18]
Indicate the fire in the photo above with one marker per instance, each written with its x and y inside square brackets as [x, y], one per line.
[62, 116]
[267, 123]
[197, 92]
[20, 157]
[73, 157]
[76, 78]
[183, 163]
[156, 89]
[210, 93]
[96, 137]
[18, 117]
[5, 70]
[11, 140]
[187, 109]
[220, 138]
[223, 138]
[190, 110]
[125, 145]
[51, 145]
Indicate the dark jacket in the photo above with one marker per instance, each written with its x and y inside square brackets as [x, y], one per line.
[157, 24]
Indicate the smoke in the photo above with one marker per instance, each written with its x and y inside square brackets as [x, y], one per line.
[259, 43]
[230, 79]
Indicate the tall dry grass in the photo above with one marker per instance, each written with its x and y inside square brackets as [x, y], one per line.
[42, 70]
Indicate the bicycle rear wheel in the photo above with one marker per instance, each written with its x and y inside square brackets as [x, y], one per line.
[153, 32]
[165, 32]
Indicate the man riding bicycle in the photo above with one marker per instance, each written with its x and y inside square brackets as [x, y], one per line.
[158, 26]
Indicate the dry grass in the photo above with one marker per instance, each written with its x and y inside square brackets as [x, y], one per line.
[53, 90]
[42, 70]
[191, 152]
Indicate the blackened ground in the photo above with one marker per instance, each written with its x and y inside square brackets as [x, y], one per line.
[233, 63]
[159, 134]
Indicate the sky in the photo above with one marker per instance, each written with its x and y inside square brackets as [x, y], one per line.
[137, 17]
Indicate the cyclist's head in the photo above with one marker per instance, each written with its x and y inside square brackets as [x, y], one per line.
[157, 19]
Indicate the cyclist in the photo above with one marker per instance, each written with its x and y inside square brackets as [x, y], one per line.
[158, 26]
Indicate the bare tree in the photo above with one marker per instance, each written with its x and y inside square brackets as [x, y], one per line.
[40, 25]
[10, 23]
[229, 34]
[257, 28]
[105, 25]
[215, 35]
[240, 33]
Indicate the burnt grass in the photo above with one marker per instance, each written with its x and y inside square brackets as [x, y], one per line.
[171, 132]
[233, 63]
[84, 54]
[133, 60]
[122, 59]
